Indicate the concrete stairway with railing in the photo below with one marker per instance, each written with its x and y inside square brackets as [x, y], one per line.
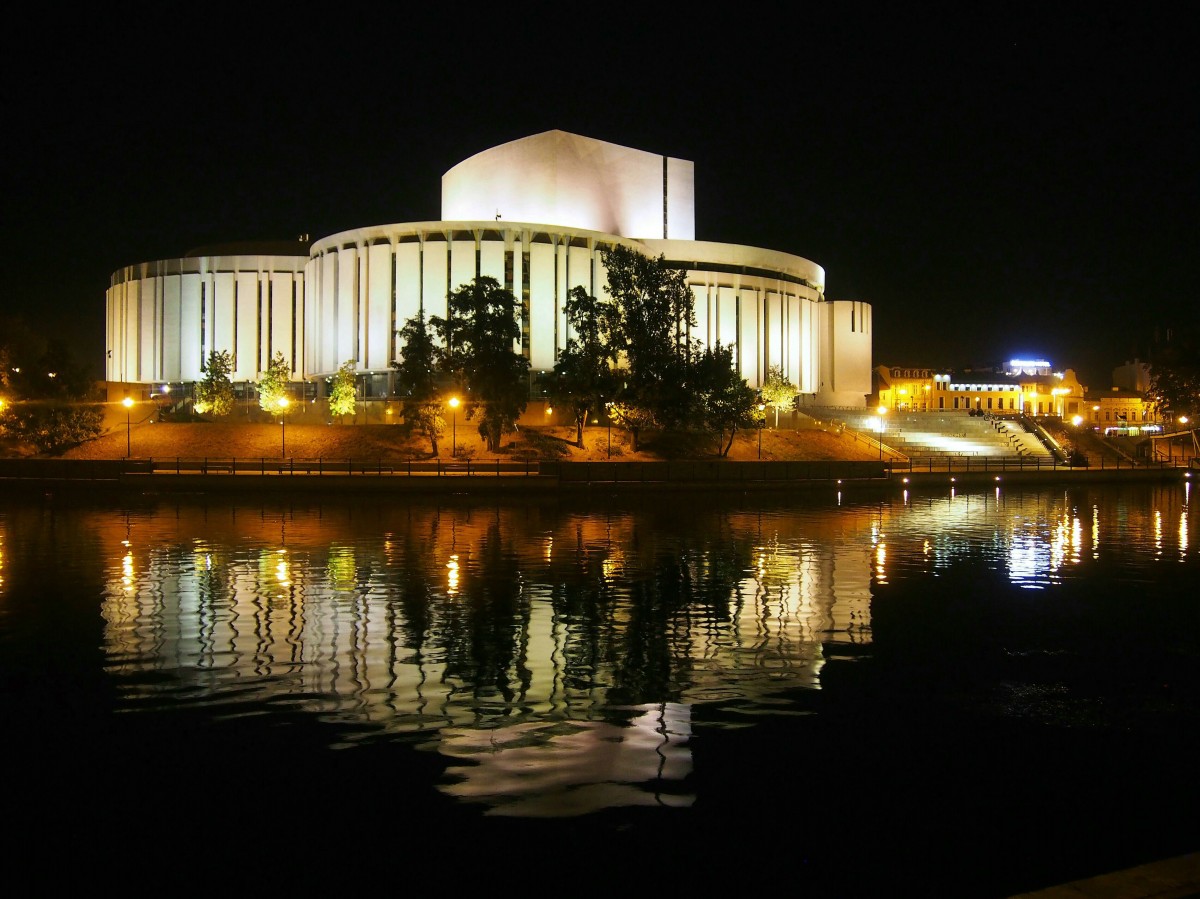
[938, 437]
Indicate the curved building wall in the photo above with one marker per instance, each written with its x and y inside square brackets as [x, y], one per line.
[364, 284]
[163, 318]
[567, 180]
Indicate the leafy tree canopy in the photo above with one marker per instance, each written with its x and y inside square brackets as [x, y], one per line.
[477, 352]
[417, 378]
[724, 401]
[214, 393]
[656, 314]
[584, 377]
[777, 391]
[343, 393]
[273, 384]
[1175, 376]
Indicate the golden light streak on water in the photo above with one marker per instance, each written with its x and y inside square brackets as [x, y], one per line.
[452, 576]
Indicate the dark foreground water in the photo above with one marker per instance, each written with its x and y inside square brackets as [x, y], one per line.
[938, 694]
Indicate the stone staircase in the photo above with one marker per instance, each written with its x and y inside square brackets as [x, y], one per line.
[942, 437]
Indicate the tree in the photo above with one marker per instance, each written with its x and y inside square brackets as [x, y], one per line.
[214, 393]
[724, 401]
[656, 315]
[49, 400]
[343, 393]
[477, 352]
[273, 384]
[417, 377]
[583, 376]
[1175, 376]
[777, 391]
[632, 418]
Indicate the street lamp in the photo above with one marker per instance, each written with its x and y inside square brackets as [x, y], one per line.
[762, 420]
[283, 407]
[882, 410]
[454, 426]
[128, 404]
[608, 422]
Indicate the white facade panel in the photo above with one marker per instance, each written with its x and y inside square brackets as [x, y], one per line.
[151, 323]
[408, 282]
[435, 284]
[250, 363]
[282, 337]
[462, 263]
[130, 304]
[491, 261]
[379, 308]
[703, 317]
[560, 298]
[171, 329]
[300, 323]
[775, 332]
[541, 306]
[222, 314]
[726, 316]
[749, 351]
[190, 358]
[579, 268]
[681, 200]
[346, 344]
[326, 339]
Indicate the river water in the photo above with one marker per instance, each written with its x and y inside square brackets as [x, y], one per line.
[961, 693]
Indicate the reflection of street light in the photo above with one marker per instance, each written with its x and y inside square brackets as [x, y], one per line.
[454, 426]
[283, 407]
[882, 410]
[128, 404]
[762, 420]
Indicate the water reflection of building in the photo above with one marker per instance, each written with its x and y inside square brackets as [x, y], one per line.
[505, 627]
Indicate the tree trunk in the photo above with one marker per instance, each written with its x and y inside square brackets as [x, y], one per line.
[633, 435]
[732, 431]
[579, 430]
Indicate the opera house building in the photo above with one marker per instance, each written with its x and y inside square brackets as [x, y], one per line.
[535, 214]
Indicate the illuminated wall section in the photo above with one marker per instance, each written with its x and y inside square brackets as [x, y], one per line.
[845, 352]
[378, 339]
[566, 180]
[163, 318]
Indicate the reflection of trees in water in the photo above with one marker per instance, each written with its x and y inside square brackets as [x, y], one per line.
[483, 628]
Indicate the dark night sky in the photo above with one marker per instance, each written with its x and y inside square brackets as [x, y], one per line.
[1020, 181]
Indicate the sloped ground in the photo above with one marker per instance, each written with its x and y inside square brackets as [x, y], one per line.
[168, 440]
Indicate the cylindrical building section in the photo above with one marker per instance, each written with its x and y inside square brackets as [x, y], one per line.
[164, 318]
[365, 284]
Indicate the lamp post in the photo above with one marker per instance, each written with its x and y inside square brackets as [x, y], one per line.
[283, 407]
[454, 426]
[882, 410]
[608, 423]
[762, 421]
[128, 404]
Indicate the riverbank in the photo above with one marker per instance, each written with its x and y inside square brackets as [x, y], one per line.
[222, 458]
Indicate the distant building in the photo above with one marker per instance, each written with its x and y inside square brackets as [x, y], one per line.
[1022, 386]
[536, 215]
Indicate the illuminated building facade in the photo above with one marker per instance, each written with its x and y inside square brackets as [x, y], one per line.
[1023, 386]
[536, 215]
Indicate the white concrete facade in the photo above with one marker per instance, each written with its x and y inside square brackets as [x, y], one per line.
[346, 299]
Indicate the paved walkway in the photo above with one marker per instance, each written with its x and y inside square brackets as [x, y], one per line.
[1172, 878]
